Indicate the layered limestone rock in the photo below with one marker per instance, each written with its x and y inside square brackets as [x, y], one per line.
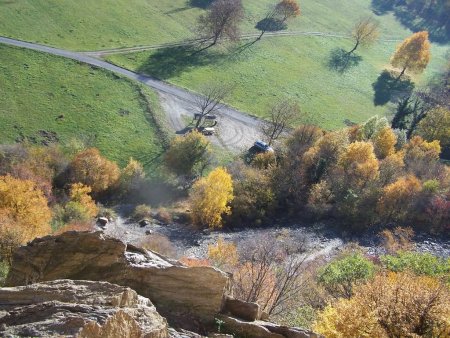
[189, 297]
[241, 309]
[83, 309]
[177, 291]
[262, 329]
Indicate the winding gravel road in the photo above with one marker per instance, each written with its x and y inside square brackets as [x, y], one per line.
[236, 130]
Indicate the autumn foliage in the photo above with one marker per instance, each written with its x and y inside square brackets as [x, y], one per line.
[23, 203]
[210, 198]
[92, 169]
[24, 213]
[390, 305]
[397, 197]
[223, 254]
[287, 9]
[413, 54]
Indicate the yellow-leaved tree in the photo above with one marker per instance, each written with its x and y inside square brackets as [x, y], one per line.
[359, 163]
[413, 54]
[384, 142]
[390, 305]
[24, 213]
[210, 198]
[79, 193]
[398, 197]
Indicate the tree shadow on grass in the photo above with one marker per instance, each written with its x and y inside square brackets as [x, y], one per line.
[388, 88]
[168, 62]
[381, 7]
[341, 61]
[200, 3]
[271, 25]
[437, 26]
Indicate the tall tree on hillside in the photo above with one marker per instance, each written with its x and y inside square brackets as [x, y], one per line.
[221, 21]
[365, 32]
[282, 115]
[413, 54]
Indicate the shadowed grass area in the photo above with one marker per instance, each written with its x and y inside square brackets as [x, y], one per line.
[170, 62]
[341, 60]
[437, 24]
[51, 99]
[388, 88]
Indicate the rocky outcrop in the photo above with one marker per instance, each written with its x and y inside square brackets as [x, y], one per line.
[83, 309]
[241, 309]
[177, 291]
[262, 329]
[191, 298]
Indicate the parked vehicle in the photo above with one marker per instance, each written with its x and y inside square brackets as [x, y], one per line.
[208, 131]
[263, 146]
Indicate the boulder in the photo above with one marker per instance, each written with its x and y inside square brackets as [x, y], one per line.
[102, 221]
[176, 290]
[66, 308]
[183, 334]
[144, 222]
[248, 329]
[262, 329]
[241, 309]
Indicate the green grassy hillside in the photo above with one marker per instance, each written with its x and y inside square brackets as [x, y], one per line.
[100, 24]
[109, 112]
[296, 67]
[87, 24]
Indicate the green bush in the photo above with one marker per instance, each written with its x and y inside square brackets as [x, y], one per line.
[419, 263]
[339, 276]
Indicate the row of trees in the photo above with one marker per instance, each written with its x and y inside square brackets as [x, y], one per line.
[223, 17]
[361, 175]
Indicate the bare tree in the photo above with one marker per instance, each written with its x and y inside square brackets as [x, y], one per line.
[365, 32]
[222, 20]
[210, 101]
[282, 115]
[271, 273]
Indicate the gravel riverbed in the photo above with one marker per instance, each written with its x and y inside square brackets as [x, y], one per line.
[317, 240]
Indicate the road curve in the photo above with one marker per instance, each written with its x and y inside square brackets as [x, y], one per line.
[237, 130]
